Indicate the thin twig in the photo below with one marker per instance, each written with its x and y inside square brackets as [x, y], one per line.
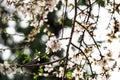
[64, 17]
[71, 35]
[42, 64]
[85, 57]
[89, 12]
[91, 37]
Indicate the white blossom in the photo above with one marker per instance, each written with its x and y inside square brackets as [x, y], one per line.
[53, 44]
[70, 64]
[48, 68]
[53, 58]
[30, 9]
[7, 68]
[76, 58]
[51, 4]
[78, 73]
[43, 74]
[61, 72]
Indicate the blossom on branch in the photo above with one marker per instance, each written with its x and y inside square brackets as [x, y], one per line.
[33, 11]
[48, 68]
[78, 73]
[7, 68]
[53, 44]
[61, 72]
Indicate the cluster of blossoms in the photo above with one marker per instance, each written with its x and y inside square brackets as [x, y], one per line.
[86, 57]
[48, 68]
[53, 44]
[7, 68]
[33, 11]
[60, 73]
[78, 73]
[76, 59]
[32, 34]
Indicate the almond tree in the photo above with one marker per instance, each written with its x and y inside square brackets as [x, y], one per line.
[61, 39]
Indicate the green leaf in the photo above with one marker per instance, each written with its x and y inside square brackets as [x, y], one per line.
[37, 53]
[35, 77]
[40, 70]
[46, 57]
[69, 74]
[17, 53]
[9, 61]
[23, 53]
[27, 58]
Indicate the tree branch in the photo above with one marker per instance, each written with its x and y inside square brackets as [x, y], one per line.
[85, 57]
[68, 47]
[91, 37]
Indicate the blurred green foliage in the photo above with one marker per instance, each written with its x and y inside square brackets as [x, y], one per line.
[101, 3]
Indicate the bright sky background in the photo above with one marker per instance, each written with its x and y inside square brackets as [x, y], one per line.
[101, 36]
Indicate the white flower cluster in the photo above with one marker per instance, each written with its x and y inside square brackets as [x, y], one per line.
[61, 72]
[48, 68]
[43, 74]
[53, 44]
[31, 9]
[78, 73]
[76, 59]
[50, 4]
[7, 68]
